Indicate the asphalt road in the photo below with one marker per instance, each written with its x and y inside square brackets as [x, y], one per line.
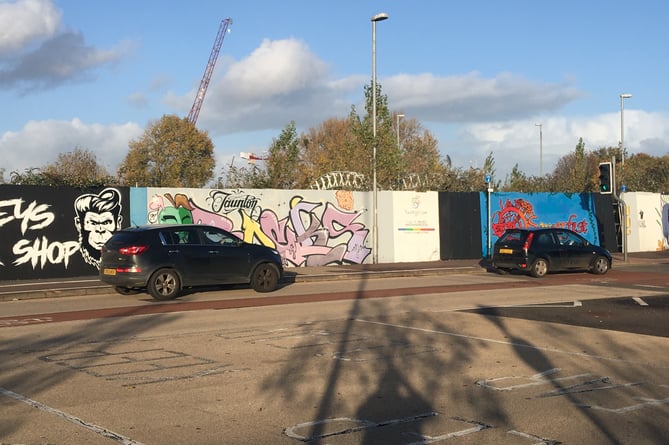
[405, 360]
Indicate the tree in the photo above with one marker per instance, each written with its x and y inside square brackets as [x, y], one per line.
[646, 173]
[332, 146]
[283, 162]
[242, 177]
[78, 168]
[574, 171]
[170, 153]
[420, 156]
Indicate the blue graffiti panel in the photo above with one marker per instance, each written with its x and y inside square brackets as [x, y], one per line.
[574, 211]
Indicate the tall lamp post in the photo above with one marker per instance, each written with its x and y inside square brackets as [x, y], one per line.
[399, 116]
[623, 224]
[541, 149]
[375, 239]
[622, 131]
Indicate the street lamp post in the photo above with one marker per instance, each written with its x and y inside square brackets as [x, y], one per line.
[622, 130]
[541, 149]
[622, 204]
[375, 239]
[399, 116]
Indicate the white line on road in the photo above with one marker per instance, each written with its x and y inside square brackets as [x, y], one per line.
[640, 301]
[70, 418]
[510, 343]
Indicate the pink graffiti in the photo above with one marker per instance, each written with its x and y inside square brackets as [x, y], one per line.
[310, 242]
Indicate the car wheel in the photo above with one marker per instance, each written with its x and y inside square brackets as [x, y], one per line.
[600, 266]
[164, 284]
[126, 290]
[265, 278]
[539, 268]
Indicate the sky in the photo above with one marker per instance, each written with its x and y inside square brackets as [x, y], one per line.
[479, 75]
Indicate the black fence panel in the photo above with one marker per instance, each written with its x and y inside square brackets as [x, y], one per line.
[460, 225]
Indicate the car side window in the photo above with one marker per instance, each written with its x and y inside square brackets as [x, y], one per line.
[181, 236]
[545, 240]
[213, 236]
[570, 239]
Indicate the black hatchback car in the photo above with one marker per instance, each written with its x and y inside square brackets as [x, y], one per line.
[543, 250]
[164, 259]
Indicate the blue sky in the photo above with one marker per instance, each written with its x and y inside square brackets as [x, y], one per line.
[478, 74]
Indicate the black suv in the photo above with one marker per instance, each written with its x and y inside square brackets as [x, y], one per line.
[539, 251]
[164, 259]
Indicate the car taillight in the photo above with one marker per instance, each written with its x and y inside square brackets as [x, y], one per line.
[528, 242]
[133, 250]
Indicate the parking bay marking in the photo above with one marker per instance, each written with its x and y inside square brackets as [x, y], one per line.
[640, 301]
[70, 418]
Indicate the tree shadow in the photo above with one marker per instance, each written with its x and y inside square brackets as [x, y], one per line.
[380, 374]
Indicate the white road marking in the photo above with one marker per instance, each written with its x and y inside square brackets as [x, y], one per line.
[640, 301]
[70, 418]
[510, 343]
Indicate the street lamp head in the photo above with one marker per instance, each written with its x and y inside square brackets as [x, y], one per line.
[625, 96]
[379, 17]
[399, 116]
[538, 124]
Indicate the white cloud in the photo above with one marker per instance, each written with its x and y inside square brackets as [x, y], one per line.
[25, 21]
[473, 98]
[278, 82]
[517, 142]
[38, 143]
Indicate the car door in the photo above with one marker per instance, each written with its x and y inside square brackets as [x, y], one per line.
[546, 245]
[187, 254]
[575, 250]
[228, 257]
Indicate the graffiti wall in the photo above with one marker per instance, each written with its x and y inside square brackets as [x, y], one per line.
[49, 232]
[307, 227]
[574, 211]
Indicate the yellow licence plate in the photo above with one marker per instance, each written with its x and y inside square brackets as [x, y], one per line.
[109, 271]
[505, 250]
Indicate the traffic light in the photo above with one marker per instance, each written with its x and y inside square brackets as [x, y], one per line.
[605, 178]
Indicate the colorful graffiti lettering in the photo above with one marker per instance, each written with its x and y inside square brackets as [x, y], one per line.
[576, 226]
[519, 213]
[312, 234]
[516, 214]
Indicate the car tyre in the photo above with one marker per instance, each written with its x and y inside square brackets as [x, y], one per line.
[600, 266]
[164, 284]
[539, 268]
[127, 290]
[265, 278]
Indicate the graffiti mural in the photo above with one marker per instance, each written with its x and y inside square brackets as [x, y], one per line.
[513, 210]
[55, 234]
[306, 232]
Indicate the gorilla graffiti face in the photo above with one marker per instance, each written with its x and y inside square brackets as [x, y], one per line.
[98, 217]
[100, 227]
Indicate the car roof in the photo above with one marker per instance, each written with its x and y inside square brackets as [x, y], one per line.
[147, 227]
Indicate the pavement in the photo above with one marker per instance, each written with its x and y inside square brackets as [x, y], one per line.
[90, 285]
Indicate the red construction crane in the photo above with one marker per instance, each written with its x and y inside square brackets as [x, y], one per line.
[204, 84]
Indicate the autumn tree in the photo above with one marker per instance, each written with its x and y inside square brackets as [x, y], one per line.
[576, 172]
[170, 153]
[78, 168]
[646, 173]
[332, 146]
